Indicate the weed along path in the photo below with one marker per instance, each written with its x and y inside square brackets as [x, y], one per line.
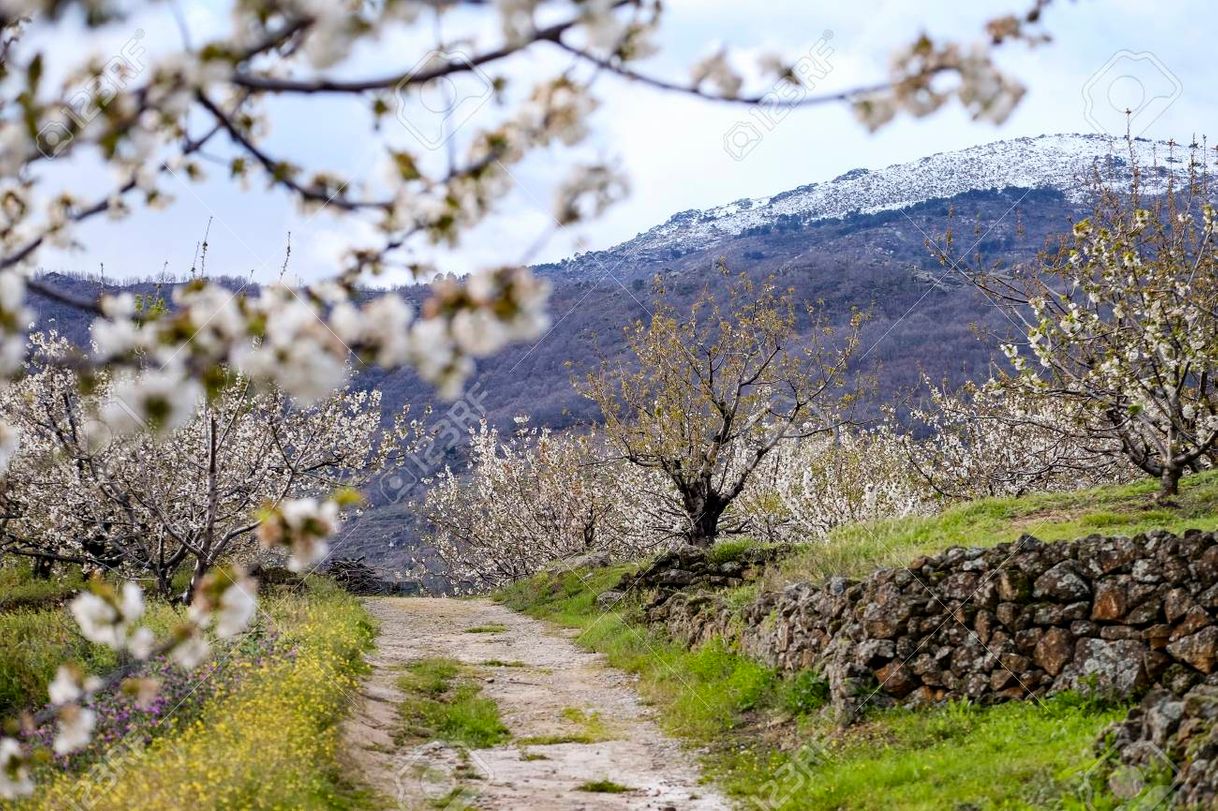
[470, 705]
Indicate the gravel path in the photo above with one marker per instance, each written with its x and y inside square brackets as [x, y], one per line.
[549, 684]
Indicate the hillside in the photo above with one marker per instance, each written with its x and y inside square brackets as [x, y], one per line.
[857, 241]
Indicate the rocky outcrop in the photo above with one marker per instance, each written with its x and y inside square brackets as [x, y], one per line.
[1021, 619]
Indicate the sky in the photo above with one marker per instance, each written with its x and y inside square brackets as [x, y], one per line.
[1105, 56]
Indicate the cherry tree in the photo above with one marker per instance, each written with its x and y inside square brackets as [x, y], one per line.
[810, 486]
[85, 489]
[708, 396]
[997, 440]
[527, 500]
[1122, 325]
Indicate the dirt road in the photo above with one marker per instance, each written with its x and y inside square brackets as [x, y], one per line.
[547, 690]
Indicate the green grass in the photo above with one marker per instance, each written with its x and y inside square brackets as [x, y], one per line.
[491, 628]
[34, 642]
[20, 589]
[603, 787]
[858, 549]
[1017, 755]
[699, 693]
[588, 728]
[442, 702]
[503, 663]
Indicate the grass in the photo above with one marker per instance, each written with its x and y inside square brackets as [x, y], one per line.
[270, 742]
[443, 702]
[20, 589]
[588, 728]
[858, 549]
[34, 642]
[700, 693]
[603, 787]
[502, 663]
[491, 628]
[1017, 755]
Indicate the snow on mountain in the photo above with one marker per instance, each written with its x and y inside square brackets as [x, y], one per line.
[1047, 161]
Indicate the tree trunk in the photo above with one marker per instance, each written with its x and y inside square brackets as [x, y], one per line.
[704, 525]
[42, 568]
[1169, 482]
[201, 567]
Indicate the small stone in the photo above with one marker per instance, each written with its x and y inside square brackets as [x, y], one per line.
[1054, 650]
[1198, 650]
[1061, 582]
[1111, 601]
[1008, 615]
[1145, 571]
[607, 600]
[896, 679]
[1177, 603]
[1111, 632]
[1157, 636]
[1013, 585]
[1196, 619]
[1110, 667]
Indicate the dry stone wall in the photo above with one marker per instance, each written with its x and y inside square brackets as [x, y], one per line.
[1016, 620]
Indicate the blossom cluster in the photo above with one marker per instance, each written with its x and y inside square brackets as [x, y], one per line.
[83, 492]
[286, 339]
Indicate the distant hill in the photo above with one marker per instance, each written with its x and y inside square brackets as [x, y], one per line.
[857, 241]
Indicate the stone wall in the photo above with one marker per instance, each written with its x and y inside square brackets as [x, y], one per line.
[1167, 748]
[1016, 620]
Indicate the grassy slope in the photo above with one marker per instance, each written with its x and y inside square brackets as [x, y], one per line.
[271, 742]
[1126, 510]
[767, 738]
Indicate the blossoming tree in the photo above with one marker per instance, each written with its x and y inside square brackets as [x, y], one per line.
[707, 397]
[529, 499]
[993, 440]
[83, 489]
[1123, 324]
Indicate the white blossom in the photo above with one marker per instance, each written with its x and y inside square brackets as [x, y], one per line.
[15, 780]
[74, 730]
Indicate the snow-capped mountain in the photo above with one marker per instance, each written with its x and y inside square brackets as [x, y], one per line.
[1060, 162]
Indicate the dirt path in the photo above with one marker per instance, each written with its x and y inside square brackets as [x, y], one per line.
[546, 689]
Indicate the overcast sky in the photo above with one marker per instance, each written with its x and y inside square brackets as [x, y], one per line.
[673, 147]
